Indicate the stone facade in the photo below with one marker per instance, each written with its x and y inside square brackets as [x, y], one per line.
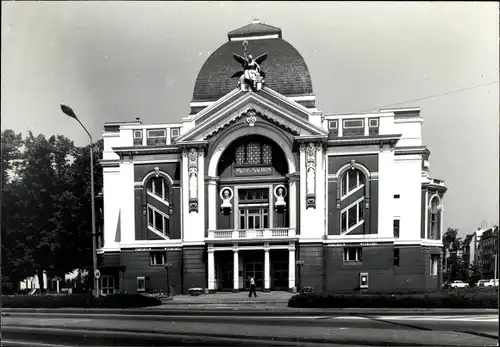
[262, 184]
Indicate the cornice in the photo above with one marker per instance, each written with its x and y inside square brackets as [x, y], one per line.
[135, 150]
[365, 140]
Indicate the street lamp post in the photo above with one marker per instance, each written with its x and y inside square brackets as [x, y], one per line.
[70, 113]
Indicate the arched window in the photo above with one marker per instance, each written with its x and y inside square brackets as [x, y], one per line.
[434, 219]
[158, 215]
[351, 181]
[158, 187]
[254, 153]
[352, 216]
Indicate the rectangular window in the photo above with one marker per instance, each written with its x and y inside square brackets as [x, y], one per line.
[166, 220]
[344, 185]
[352, 216]
[352, 178]
[361, 211]
[157, 133]
[373, 122]
[434, 264]
[333, 124]
[137, 134]
[107, 285]
[141, 284]
[353, 123]
[151, 217]
[396, 196]
[156, 137]
[158, 221]
[344, 221]
[174, 133]
[157, 258]
[395, 228]
[352, 254]
[396, 257]
[254, 218]
[243, 225]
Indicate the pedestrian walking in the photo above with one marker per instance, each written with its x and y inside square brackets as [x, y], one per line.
[252, 287]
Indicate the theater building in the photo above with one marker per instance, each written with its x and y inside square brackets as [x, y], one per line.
[257, 181]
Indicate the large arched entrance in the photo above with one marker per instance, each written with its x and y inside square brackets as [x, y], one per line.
[253, 233]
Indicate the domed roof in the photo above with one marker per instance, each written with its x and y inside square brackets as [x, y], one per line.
[286, 70]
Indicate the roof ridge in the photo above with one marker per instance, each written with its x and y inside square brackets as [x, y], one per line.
[255, 28]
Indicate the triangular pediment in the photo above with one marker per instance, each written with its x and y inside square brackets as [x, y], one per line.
[265, 105]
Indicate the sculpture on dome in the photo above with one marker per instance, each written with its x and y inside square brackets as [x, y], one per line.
[252, 75]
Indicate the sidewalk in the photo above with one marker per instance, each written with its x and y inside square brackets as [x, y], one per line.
[240, 298]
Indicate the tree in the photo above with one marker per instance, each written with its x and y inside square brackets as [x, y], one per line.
[12, 143]
[47, 224]
[451, 244]
[16, 260]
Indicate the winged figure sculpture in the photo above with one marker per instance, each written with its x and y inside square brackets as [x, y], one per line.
[252, 75]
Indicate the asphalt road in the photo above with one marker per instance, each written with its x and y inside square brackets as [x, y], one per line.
[76, 329]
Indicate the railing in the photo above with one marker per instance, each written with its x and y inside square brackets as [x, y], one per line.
[239, 234]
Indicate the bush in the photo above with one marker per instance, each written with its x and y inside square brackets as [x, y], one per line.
[79, 301]
[453, 299]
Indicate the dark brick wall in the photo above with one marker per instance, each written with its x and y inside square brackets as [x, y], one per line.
[333, 212]
[413, 272]
[313, 271]
[195, 274]
[344, 276]
[109, 259]
[137, 264]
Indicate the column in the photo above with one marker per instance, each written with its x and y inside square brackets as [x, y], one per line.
[293, 203]
[211, 270]
[291, 266]
[212, 204]
[236, 271]
[267, 277]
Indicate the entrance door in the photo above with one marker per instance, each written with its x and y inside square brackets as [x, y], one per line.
[255, 270]
[279, 275]
[225, 276]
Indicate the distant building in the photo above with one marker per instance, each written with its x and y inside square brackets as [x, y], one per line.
[470, 246]
[487, 250]
[256, 178]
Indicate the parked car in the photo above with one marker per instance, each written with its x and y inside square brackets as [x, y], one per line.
[491, 283]
[482, 283]
[459, 284]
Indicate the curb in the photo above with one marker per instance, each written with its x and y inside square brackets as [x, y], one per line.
[186, 311]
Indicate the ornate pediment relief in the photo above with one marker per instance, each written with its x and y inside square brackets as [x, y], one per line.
[251, 117]
[267, 106]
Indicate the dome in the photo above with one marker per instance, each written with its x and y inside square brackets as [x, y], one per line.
[286, 70]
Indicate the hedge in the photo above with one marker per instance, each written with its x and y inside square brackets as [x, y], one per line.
[78, 301]
[452, 299]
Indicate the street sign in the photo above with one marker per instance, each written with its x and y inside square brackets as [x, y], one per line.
[97, 274]
[168, 264]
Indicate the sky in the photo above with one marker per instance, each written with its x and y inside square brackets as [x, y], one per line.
[113, 61]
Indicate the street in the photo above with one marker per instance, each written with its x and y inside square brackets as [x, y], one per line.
[106, 329]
